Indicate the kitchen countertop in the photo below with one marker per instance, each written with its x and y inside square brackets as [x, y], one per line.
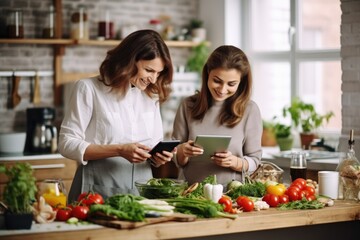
[273, 154]
[282, 159]
[340, 221]
[22, 156]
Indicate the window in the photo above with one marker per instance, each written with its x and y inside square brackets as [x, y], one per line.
[294, 49]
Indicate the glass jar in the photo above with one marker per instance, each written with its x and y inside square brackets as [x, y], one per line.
[156, 24]
[14, 24]
[349, 173]
[49, 25]
[79, 24]
[54, 192]
[105, 25]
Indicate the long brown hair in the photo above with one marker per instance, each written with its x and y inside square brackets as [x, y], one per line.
[119, 65]
[226, 57]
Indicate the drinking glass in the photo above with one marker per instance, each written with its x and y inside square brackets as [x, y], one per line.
[298, 165]
[54, 192]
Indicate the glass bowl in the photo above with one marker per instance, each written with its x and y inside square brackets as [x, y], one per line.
[157, 188]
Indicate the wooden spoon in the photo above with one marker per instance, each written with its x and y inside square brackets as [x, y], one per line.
[37, 97]
[15, 91]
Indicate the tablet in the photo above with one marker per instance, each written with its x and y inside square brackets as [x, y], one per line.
[212, 144]
[168, 145]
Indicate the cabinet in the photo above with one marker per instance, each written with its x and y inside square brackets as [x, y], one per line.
[61, 168]
[59, 46]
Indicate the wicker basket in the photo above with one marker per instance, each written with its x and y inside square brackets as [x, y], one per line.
[267, 171]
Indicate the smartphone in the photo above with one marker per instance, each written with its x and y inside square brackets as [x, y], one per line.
[167, 145]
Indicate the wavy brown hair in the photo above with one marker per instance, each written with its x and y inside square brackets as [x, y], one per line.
[119, 65]
[226, 57]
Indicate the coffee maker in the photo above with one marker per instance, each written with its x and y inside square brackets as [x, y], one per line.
[41, 134]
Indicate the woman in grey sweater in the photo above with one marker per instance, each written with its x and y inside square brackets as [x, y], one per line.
[222, 107]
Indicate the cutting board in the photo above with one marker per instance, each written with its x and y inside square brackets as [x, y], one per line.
[122, 224]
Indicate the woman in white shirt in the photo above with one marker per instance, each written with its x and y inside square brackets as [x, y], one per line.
[114, 119]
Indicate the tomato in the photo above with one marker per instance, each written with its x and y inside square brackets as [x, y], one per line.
[278, 189]
[304, 194]
[271, 199]
[310, 189]
[283, 199]
[310, 197]
[226, 202]
[63, 214]
[89, 198]
[300, 181]
[80, 212]
[245, 203]
[293, 193]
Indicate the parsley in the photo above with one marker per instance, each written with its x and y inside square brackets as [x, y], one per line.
[301, 204]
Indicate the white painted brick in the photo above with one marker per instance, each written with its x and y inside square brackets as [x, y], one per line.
[77, 58]
[350, 63]
[350, 75]
[350, 51]
[345, 29]
[350, 17]
[350, 40]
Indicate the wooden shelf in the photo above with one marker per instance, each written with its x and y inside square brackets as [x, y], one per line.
[38, 41]
[59, 45]
[184, 44]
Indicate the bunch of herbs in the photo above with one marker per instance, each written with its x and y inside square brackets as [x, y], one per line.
[20, 190]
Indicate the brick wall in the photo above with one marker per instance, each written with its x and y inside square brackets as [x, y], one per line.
[76, 58]
[350, 64]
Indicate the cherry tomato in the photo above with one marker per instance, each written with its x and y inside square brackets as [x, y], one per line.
[271, 199]
[310, 189]
[245, 203]
[226, 202]
[304, 194]
[310, 197]
[89, 198]
[278, 189]
[80, 212]
[300, 181]
[283, 199]
[295, 186]
[63, 214]
[293, 193]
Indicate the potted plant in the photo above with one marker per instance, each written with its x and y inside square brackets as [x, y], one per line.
[268, 136]
[198, 57]
[198, 32]
[19, 193]
[304, 115]
[283, 136]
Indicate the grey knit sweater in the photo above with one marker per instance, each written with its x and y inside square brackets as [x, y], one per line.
[245, 142]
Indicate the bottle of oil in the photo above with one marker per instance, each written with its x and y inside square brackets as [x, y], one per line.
[349, 173]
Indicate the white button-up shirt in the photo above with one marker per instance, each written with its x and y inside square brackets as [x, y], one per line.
[98, 115]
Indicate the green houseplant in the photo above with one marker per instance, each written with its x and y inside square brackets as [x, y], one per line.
[268, 136]
[283, 136]
[198, 57]
[197, 31]
[19, 192]
[304, 115]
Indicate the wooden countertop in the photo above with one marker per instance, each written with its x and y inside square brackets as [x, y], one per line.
[342, 211]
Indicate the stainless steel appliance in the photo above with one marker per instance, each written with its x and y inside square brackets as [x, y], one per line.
[41, 134]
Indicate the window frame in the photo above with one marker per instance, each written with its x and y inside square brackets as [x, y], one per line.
[294, 56]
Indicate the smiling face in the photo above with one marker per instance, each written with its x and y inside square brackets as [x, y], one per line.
[223, 83]
[148, 72]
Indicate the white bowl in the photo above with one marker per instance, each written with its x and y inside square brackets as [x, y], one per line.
[13, 142]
